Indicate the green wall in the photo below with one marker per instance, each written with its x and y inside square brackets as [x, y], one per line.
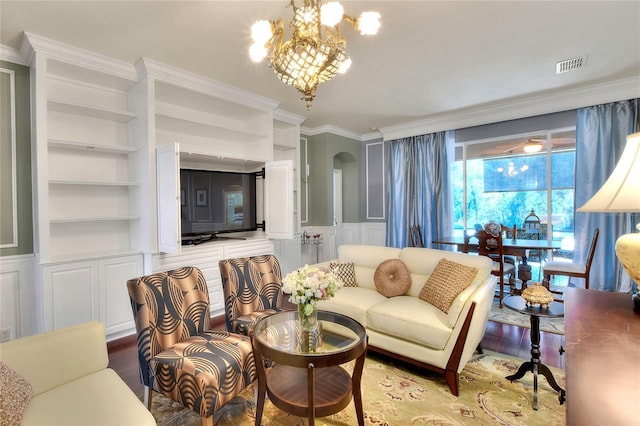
[23, 162]
[326, 152]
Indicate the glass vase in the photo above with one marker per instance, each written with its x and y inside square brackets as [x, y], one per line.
[308, 322]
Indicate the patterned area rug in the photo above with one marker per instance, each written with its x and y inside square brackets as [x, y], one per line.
[508, 316]
[395, 394]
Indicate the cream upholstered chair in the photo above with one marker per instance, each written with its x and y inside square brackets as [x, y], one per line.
[252, 288]
[570, 269]
[490, 245]
[179, 356]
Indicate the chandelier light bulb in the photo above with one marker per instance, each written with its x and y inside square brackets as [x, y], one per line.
[257, 52]
[261, 31]
[344, 66]
[331, 14]
[308, 15]
[369, 23]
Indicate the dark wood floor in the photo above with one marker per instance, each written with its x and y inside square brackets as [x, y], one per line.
[502, 338]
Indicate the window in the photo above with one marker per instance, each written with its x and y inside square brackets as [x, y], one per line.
[496, 180]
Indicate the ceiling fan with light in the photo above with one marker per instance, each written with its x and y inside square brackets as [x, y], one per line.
[531, 146]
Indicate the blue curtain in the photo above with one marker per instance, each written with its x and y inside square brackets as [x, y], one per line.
[419, 187]
[601, 133]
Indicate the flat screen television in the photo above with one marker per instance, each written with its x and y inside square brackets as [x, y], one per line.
[216, 202]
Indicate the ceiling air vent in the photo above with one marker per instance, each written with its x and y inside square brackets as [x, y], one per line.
[571, 64]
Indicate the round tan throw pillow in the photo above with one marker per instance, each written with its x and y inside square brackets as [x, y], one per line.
[392, 278]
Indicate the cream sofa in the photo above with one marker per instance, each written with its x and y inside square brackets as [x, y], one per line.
[70, 381]
[407, 327]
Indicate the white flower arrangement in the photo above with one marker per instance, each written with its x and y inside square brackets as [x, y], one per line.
[309, 284]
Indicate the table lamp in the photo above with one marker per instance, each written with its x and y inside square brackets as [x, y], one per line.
[621, 194]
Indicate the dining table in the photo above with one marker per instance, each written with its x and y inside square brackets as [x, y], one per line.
[518, 247]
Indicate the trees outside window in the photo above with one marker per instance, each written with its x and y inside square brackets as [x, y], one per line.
[503, 183]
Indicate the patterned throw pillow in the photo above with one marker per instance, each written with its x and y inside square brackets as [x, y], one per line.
[16, 394]
[345, 272]
[392, 278]
[446, 282]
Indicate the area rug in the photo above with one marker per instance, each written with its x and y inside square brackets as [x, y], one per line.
[395, 394]
[508, 316]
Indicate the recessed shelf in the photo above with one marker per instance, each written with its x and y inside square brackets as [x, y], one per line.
[94, 219]
[179, 124]
[90, 183]
[90, 111]
[88, 147]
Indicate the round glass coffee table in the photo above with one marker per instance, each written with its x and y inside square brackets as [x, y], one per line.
[301, 371]
[553, 310]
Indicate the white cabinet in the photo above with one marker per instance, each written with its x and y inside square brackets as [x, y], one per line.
[85, 181]
[279, 212]
[75, 292]
[114, 303]
[101, 204]
[70, 294]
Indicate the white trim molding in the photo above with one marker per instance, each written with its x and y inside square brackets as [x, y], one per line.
[14, 179]
[544, 103]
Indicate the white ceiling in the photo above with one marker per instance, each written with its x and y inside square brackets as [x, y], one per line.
[429, 60]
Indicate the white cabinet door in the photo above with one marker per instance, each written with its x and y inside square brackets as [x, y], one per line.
[115, 307]
[168, 177]
[278, 199]
[70, 294]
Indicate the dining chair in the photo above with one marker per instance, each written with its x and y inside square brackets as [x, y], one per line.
[179, 355]
[571, 269]
[252, 288]
[490, 245]
[532, 230]
[415, 236]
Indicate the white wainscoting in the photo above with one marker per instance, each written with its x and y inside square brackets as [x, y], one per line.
[17, 296]
[371, 233]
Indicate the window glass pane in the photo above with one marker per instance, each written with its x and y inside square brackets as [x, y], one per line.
[504, 184]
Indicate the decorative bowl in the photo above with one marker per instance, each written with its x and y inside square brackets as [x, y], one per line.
[537, 295]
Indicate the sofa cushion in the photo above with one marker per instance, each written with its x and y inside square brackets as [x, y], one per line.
[412, 319]
[353, 302]
[392, 278]
[446, 282]
[345, 273]
[422, 261]
[15, 395]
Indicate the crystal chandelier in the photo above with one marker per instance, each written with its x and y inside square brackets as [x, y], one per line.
[315, 53]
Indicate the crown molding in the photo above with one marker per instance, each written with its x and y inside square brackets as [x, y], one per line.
[10, 54]
[32, 44]
[288, 117]
[189, 80]
[331, 129]
[547, 103]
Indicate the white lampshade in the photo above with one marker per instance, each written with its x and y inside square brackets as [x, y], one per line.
[621, 192]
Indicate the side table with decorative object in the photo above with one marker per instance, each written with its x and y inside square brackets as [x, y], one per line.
[307, 378]
[535, 311]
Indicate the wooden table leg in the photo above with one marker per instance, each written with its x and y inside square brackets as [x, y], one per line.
[535, 366]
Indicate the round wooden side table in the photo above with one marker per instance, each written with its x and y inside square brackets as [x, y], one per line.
[305, 376]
